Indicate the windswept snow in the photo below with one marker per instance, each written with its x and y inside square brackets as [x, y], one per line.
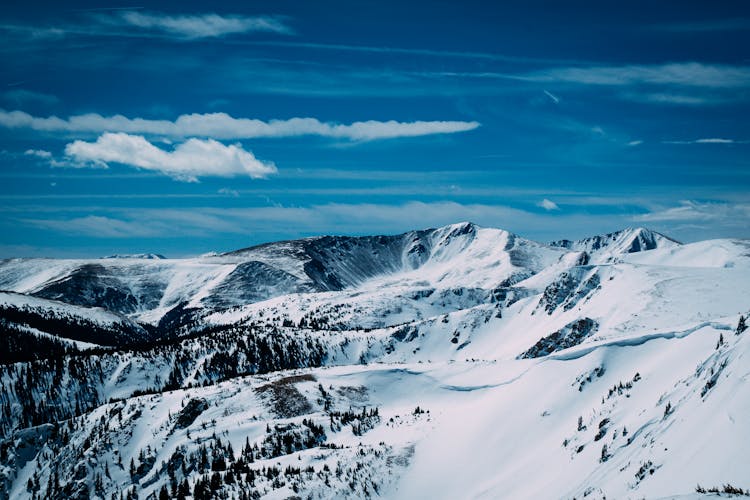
[610, 367]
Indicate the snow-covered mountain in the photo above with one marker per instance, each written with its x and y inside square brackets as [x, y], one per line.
[462, 255]
[605, 248]
[457, 362]
[147, 256]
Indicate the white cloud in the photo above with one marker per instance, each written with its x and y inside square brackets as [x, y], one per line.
[276, 222]
[229, 192]
[194, 26]
[637, 142]
[708, 140]
[188, 160]
[686, 74]
[128, 22]
[102, 227]
[224, 126]
[671, 98]
[692, 211]
[548, 205]
[715, 140]
[690, 221]
[39, 153]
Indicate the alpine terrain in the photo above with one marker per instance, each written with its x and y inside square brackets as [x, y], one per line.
[457, 362]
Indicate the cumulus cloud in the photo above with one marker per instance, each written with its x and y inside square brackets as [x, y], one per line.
[224, 126]
[548, 205]
[39, 153]
[187, 161]
[194, 26]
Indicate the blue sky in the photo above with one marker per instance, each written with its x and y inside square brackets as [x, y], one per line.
[182, 128]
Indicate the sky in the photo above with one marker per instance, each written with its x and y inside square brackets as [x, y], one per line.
[182, 128]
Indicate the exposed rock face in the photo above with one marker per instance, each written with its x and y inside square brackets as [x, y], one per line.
[570, 335]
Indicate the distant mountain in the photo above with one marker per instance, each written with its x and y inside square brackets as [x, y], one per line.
[608, 246]
[147, 256]
[337, 367]
[460, 254]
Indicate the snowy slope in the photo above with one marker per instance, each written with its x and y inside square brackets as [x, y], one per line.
[612, 367]
[81, 326]
[457, 255]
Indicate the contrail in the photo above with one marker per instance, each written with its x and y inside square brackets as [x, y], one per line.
[552, 96]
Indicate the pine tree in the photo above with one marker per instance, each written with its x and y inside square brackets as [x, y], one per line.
[605, 454]
[741, 326]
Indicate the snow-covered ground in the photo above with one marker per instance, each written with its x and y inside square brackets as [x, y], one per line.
[612, 367]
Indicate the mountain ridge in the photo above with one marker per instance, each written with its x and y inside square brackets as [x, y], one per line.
[323, 263]
[357, 375]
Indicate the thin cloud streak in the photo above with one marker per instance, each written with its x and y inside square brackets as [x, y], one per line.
[553, 97]
[679, 99]
[330, 218]
[685, 74]
[729, 214]
[194, 26]
[489, 56]
[137, 23]
[708, 140]
[688, 221]
[224, 126]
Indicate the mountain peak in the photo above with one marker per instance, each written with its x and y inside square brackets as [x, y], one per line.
[629, 240]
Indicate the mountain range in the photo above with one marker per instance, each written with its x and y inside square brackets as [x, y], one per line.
[456, 362]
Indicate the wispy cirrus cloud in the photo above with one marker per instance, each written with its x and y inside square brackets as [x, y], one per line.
[140, 23]
[224, 126]
[281, 221]
[689, 221]
[708, 140]
[187, 161]
[20, 97]
[685, 74]
[689, 74]
[98, 226]
[675, 98]
[692, 211]
[193, 26]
